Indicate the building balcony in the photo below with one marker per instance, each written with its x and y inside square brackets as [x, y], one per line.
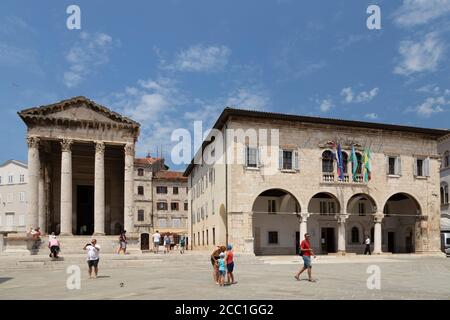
[334, 179]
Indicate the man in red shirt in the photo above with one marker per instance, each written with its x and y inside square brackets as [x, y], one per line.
[306, 253]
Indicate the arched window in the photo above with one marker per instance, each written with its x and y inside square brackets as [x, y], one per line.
[327, 162]
[355, 235]
[345, 161]
[359, 168]
[444, 194]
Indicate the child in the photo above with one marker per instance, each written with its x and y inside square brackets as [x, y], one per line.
[230, 264]
[221, 263]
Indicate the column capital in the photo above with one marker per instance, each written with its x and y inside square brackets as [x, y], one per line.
[66, 145]
[341, 218]
[33, 142]
[378, 217]
[129, 149]
[99, 147]
[302, 216]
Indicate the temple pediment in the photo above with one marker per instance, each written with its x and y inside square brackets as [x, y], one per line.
[79, 110]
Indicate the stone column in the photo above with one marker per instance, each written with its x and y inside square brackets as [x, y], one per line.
[99, 189]
[42, 213]
[66, 187]
[377, 233]
[303, 226]
[34, 165]
[128, 199]
[341, 233]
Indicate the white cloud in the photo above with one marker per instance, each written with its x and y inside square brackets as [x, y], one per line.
[326, 105]
[430, 106]
[371, 116]
[201, 58]
[434, 90]
[362, 97]
[420, 56]
[91, 51]
[417, 12]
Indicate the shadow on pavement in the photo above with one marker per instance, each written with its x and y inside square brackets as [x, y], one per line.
[2, 280]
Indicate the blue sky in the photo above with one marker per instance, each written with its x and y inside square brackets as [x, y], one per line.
[168, 63]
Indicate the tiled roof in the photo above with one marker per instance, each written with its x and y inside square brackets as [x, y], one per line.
[170, 175]
[145, 161]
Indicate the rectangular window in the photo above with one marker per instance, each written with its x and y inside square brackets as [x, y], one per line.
[9, 197]
[22, 196]
[214, 236]
[187, 190]
[198, 238]
[174, 206]
[203, 238]
[392, 161]
[202, 213]
[9, 219]
[212, 206]
[186, 206]
[140, 215]
[22, 178]
[251, 157]
[207, 237]
[161, 190]
[331, 207]
[419, 167]
[21, 220]
[161, 206]
[287, 160]
[140, 172]
[271, 206]
[162, 223]
[194, 238]
[10, 179]
[176, 223]
[448, 241]
[422, 167]
[140, 190]
[273, 237]
[175, 190]
[323, 207]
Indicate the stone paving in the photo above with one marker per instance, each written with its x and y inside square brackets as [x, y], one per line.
[189, 277]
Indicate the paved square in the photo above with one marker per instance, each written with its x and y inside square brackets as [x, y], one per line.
[189, 277]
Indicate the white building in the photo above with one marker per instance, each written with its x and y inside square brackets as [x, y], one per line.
[13, 196]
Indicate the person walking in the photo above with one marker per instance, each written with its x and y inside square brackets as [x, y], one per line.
[93, 257]
[172, 241]
[230, 264]
[182, 244]
[156, 241]
[166, 244]
[306, 252]
[54, 246]
[367, 248]
[122, 242]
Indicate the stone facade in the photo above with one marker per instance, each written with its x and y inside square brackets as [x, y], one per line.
[269, 213]
[13, 196]
[81, 168]
[444, 151]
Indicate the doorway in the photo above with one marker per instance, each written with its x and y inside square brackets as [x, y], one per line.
[327, 240]
[391, 242]
[297, 242]
[145, 243]
[85, 210]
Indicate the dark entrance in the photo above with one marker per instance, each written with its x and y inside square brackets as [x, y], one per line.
[85, 210]
[145, 244]
[327, 240]
[391, 242]
[297, 242]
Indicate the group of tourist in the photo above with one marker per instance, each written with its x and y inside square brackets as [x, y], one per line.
[223, 265]
[168, 242]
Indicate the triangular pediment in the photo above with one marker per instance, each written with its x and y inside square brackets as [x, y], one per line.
[78, 109]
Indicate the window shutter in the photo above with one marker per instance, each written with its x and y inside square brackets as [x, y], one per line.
[415, 167]
[426, 167]
[296, 161]
[387, 165]
[245, 156]
[258, 157]
[398, 162]
[280, 159]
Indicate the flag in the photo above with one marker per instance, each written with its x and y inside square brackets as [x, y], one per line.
[367, 173]
[340, 163]
[354, 161]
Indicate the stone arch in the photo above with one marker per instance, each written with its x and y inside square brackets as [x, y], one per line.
[314, 205]
[364, 198]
